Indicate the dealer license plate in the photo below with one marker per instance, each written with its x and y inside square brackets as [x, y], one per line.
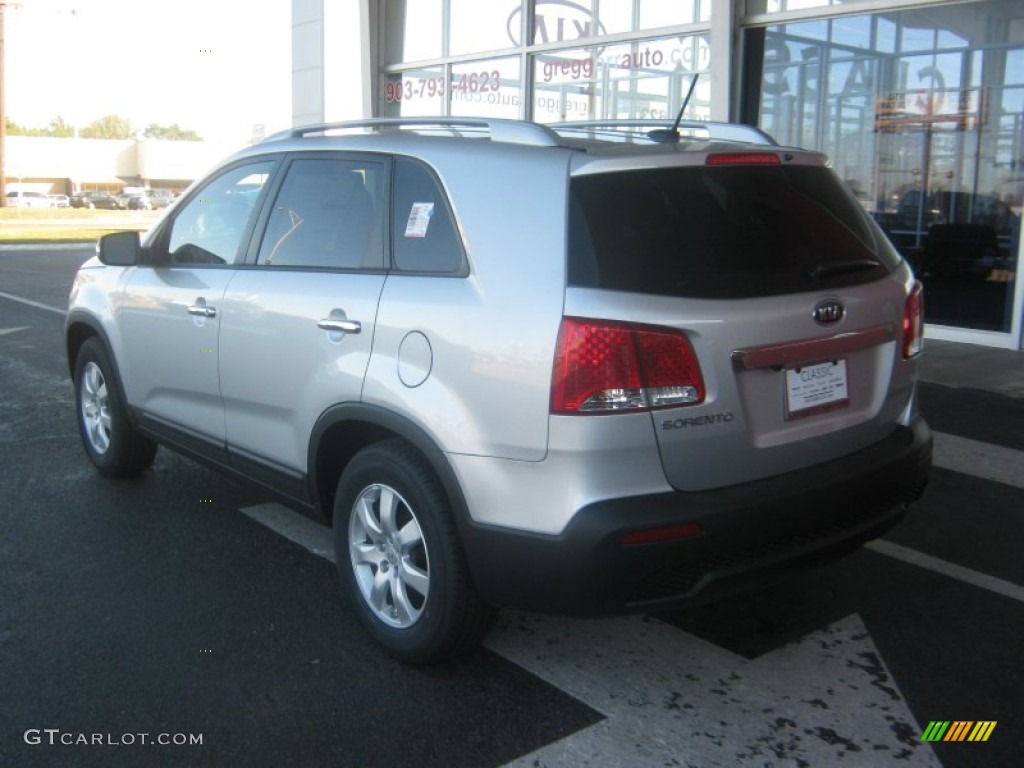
[815, 388]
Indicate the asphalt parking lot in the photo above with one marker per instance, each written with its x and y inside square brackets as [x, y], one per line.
[182, 619]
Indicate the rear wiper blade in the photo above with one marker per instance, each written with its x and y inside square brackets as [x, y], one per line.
[842, 267]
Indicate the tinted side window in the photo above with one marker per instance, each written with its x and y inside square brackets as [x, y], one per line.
[328, 213]
[423, 232]
[720, 232]
[210, 227]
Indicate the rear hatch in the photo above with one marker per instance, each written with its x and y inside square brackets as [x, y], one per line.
[792, 300]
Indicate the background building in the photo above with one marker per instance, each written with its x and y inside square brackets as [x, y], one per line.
[919, 104]
[66, 165]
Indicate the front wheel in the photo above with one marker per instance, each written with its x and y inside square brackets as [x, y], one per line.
[110, 440]
[399, 557]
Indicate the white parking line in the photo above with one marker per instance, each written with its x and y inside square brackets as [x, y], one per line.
[307, 533]
[76, 245]
[946, 568]
[31, 303]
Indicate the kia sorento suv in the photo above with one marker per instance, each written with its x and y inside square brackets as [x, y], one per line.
[583, 369]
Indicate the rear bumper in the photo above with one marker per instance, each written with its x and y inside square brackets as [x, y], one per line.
[751, 532]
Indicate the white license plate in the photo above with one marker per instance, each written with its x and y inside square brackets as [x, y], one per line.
[816, 388]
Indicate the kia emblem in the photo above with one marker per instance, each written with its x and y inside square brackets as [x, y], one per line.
[828, 312]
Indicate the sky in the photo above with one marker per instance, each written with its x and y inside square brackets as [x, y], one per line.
[218, 67]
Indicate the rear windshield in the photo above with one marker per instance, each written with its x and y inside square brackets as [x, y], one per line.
[720, 232]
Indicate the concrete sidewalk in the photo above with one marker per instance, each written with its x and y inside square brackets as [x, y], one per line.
[971, 366]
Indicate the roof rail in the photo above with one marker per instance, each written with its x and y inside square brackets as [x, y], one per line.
[718, 131]
[510, 131]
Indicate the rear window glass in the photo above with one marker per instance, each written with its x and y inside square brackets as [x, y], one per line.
[720, 232]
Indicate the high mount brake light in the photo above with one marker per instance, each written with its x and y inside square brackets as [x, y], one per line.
[606, 367]
[743, 158]
[913, 322]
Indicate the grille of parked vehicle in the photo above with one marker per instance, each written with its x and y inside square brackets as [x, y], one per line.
[586, 368]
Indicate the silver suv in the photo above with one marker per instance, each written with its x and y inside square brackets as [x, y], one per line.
[585, 371]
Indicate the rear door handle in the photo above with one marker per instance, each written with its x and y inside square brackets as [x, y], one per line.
[340, 326]
[201, 310]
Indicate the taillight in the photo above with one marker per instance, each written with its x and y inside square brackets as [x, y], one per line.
[603, 367]
[743, 158]
[913, 322]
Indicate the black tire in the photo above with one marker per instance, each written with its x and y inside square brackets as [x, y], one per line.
[110, 440]
[451, 619]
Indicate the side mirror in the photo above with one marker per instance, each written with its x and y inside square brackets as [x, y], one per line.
[119, 249]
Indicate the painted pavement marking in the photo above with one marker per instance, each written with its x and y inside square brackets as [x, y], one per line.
[668, 695]
[31, 303]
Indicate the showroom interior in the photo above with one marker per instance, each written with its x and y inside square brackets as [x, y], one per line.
[919, 105]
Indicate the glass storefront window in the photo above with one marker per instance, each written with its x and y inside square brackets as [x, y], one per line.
[781, 6]
[489, 88]
[567, 20]
[432, 29]
[476, 27]
[415, 29]
[420, 92]
[637, 81]
[927, 133]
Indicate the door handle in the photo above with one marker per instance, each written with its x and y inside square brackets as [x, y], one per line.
[340, 326]
[201, 310]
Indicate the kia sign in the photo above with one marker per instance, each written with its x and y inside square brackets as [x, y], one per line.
[556, 21]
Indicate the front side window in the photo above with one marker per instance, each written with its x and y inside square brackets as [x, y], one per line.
[211, 227]
[327, 214]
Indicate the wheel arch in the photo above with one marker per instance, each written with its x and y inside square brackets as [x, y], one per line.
[343, 430]
[79, 328]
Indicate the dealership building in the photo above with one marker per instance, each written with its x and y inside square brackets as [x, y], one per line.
[919, 105]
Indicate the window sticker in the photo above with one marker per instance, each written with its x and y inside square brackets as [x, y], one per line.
[419, 219]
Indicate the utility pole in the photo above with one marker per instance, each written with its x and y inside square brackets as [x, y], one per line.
[3, 113]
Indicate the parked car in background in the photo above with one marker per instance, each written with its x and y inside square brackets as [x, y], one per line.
[60, 201]
[19, 198]
[96, 199]
[138, 202]
[161, 198]
[150, 200]
[944, 207]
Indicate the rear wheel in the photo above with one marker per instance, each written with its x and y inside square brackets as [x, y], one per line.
[399, 557]
[110, 440]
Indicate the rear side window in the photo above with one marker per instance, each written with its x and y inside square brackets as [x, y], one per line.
[423, 233]
[720, 232]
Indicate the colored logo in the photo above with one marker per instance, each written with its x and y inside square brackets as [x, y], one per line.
[958, 730]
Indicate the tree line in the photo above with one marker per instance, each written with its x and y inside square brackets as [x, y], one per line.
[106, 127]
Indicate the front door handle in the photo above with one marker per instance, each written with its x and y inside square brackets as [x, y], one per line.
[340, 326]
[201, 310]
